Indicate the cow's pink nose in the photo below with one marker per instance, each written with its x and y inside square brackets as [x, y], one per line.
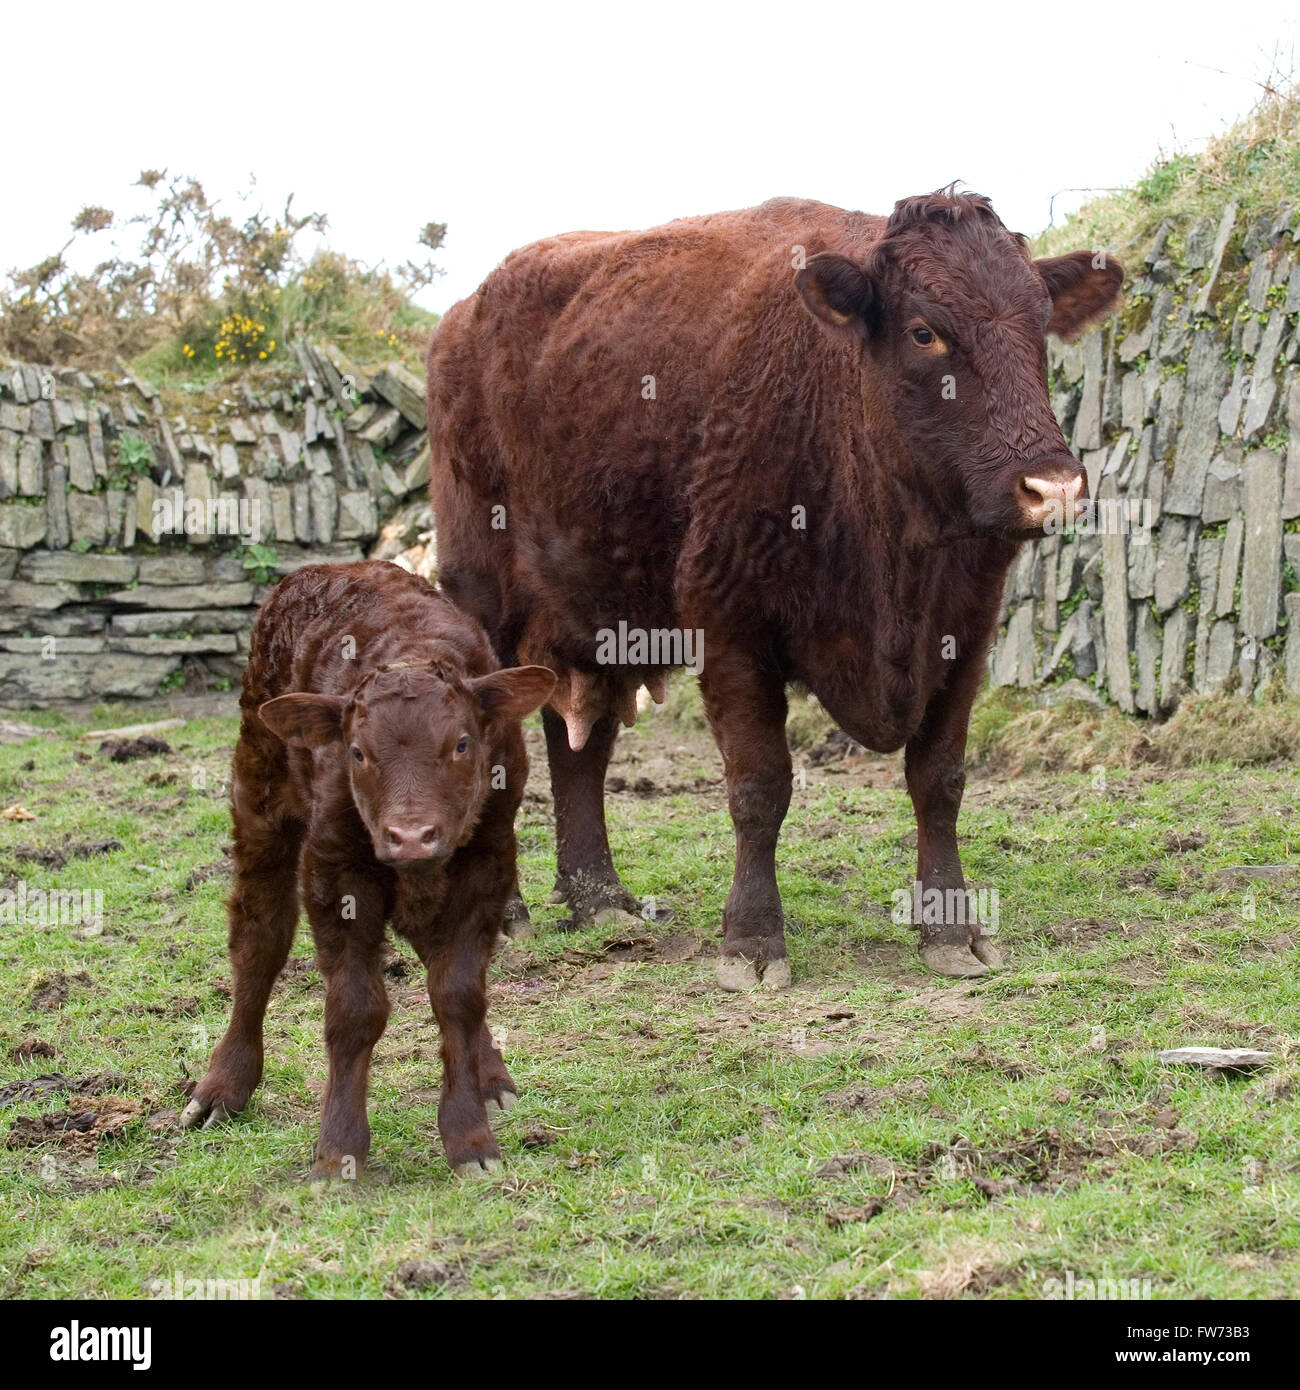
[1051, 503]
[411, 842]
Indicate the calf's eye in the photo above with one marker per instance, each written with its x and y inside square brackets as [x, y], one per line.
[463, 745]
[922, 337]
[358, 755]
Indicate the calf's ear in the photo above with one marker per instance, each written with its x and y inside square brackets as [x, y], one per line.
[842, 295]
[306, 721]
[1084, 287]
[514, 693]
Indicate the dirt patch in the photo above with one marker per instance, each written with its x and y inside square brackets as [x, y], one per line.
[54, 1083]
[53, 857]
[416, 1275]
[846, 1216]
[1184, 841]
[29, 1049]
[1045, 1161]
[1081, 931]
[82, 1129]
[51, 991]
[125, 750]
[204, 872]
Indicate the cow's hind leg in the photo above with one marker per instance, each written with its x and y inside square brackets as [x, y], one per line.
[746, 706]
[585, 875]
[262, 912]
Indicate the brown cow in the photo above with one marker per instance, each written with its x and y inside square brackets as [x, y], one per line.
[813, 439]
[379, 755]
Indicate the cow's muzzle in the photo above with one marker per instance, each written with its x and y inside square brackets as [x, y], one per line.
[1049, 499]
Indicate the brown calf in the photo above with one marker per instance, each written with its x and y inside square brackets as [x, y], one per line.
[808, 439]
[380, 761]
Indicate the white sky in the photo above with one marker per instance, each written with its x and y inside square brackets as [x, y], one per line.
[512, 121]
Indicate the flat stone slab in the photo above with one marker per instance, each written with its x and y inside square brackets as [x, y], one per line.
[1217, 1058]
[1263, 873]
[185, 596]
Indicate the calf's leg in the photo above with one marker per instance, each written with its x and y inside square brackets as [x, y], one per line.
[746, 706]
[936, 777]
[349, 950]
[585, 877]
[262, 912]
[455, 946]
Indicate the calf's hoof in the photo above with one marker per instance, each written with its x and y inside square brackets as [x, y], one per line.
[504, 1100]
[331, 1170]
[203, 1114]
[478, 1167]
[517, 923]
[737, 973]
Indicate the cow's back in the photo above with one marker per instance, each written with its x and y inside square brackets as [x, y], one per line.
[582, 397]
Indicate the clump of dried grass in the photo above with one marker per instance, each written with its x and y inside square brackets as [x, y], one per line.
[1008, 738]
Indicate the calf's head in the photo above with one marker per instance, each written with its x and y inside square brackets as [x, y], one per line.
[416, 743]
[952, 315]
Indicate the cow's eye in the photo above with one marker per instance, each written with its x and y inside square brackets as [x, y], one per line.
[463, 746]
[922, 336]
[358, 755]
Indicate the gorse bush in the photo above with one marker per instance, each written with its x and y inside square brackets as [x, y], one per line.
[200, 291]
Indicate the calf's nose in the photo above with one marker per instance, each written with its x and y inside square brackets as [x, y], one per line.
[412, 842]
[1051, 501]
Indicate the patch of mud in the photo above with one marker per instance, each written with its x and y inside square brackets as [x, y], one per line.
[1082, 931]
[204, 872]
[103, 1117]
[56, 857]
[1045, 1161]
[54, 1083]
[125, 750]
[52, 991]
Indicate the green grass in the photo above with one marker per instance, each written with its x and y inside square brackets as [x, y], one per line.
[669, 1138]
[1254, 163]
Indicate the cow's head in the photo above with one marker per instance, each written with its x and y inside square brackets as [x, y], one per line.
[416, 742]
[952, 315]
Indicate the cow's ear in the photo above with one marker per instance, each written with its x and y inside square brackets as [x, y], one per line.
[514, 693]
[1084, 287]
[306, 721]
[842, 295]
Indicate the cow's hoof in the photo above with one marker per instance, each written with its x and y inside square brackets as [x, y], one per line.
[986, 949]
[957, 961]
[506, 1101]
[199, 1110]
[776, 974]
[328, 1170]
[478, 1167]
[735, 973]
[657, 914]
[615, 917]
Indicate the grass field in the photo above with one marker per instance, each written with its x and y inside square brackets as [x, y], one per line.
[873, 1132]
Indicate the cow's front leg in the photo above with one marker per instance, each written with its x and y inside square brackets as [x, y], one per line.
[346, 912]
[955, 944]
[746, 705]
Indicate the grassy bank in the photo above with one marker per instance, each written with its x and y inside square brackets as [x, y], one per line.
[873, 1132]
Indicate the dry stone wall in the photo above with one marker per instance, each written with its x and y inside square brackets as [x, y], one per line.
[138, 535]
[1185, 409]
